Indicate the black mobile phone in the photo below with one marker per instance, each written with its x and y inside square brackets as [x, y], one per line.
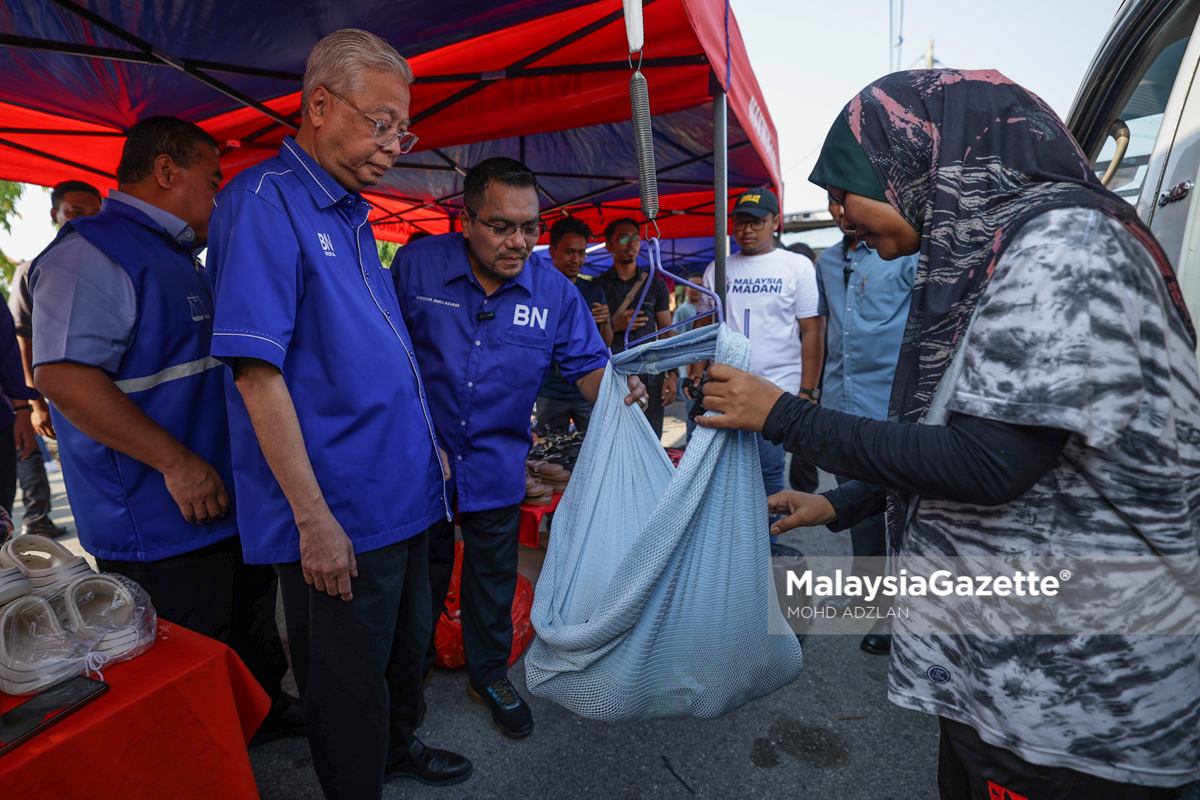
[38, 713]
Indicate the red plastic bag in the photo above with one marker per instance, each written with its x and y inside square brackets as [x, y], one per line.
[448, 637]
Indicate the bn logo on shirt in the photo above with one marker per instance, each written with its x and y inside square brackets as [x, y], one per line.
[524, 315]
[326, 244]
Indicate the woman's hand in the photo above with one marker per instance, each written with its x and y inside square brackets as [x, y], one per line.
[800, 510]
[744, 400]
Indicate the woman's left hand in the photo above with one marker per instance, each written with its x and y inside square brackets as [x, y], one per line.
[744, 400]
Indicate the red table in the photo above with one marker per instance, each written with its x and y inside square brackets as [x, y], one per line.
[531, 520]
[174, 724]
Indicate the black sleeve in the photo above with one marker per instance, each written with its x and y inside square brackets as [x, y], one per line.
[855, 501]
[971, 460]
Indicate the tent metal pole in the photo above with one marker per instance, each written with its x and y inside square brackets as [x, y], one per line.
[720, 187]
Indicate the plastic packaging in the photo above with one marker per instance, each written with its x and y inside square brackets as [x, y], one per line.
[109, 614]
[448, 637]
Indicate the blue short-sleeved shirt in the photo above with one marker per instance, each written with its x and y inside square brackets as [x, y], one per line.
[483, 374]
[865, 301]
[299, 284]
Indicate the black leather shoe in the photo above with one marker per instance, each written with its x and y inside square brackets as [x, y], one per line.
[879, 644]
[510, 714]
[429, 766]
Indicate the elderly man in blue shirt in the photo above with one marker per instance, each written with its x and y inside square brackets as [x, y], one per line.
[865, 301]
[486, 327]
[337, 466]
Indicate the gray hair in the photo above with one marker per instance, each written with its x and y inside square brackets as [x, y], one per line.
[339, 59]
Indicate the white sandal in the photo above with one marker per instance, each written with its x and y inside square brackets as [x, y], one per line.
[43, 561]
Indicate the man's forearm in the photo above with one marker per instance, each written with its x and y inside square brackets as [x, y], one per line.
[812, 353]
[90, 400]
[25, 345]
[273, 415]
[589, 385]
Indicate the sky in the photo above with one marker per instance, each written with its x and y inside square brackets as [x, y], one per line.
[812, 56]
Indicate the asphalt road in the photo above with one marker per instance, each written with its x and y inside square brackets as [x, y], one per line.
[832, 734]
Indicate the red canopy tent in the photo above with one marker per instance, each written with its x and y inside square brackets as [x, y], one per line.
[545, 81]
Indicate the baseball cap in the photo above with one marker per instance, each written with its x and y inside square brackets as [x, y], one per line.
[757, 203]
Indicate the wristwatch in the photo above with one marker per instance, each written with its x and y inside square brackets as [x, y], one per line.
[812, 394]
[26, 407]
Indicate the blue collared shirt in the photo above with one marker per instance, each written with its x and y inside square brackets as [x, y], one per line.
[299, 284]
[484, 358]
[865, 300]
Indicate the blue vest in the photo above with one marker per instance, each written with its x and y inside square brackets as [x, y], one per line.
[123, 510]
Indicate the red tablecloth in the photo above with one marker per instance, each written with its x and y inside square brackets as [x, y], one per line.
[174, 724]
[531, 520]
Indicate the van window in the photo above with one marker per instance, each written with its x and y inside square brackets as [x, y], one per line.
[1148, 91]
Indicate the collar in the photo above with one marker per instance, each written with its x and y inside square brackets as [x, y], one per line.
[176, 228]
[461, 268]
[324, 189]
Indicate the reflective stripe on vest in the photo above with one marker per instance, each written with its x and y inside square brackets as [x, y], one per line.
[131, 385]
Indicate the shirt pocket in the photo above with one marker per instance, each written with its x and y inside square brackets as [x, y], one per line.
[524, 357]
[882, 296]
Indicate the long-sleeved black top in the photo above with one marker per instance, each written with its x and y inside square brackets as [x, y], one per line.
[971, 460]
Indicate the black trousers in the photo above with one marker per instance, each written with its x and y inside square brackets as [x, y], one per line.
[212, 591]
[654, 410]
[489, 580]
[8, 470]
[868, 540]
[35, 487]
[971, 769]
[358, 664]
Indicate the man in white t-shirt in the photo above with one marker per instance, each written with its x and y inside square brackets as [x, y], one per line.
[779, 289]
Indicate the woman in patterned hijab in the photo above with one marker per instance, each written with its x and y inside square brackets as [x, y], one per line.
[964, 159]
[1050, 357]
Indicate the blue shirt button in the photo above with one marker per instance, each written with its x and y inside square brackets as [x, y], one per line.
[458, 458]
[463, 423]
[477, 343]
[470, 385]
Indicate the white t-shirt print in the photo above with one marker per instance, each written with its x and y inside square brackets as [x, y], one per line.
[777, 288]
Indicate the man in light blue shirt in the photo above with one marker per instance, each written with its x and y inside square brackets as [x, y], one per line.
[865, 301]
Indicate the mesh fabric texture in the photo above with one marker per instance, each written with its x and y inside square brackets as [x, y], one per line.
[656, 597]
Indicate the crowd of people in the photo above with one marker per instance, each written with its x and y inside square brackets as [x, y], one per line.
[292, 416]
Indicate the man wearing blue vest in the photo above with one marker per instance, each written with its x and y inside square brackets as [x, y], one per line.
[486, 328]
[121, 340]
[338, 468]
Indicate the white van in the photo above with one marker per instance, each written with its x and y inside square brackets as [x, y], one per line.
[1137, 117]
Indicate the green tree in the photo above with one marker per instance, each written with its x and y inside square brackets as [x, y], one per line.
[10, 193]
[387, 251]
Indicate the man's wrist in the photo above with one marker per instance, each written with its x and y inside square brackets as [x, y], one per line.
[812, 394]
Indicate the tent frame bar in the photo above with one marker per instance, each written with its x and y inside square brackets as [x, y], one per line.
[59, 159]
[166, 58]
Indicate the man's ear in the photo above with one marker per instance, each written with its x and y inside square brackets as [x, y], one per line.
[464, 219]
[165, 170]
[318, 105]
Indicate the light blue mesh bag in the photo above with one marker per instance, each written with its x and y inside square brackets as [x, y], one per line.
[656, 598]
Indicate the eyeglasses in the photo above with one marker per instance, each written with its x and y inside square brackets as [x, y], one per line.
[626, 238]
[837, 201]
[531, 231]
[752, 224]
[385, 132]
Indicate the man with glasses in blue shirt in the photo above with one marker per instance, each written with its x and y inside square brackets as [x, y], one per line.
[336, 460]
[486, 328]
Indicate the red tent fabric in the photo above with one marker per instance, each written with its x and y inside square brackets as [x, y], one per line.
[541, 80]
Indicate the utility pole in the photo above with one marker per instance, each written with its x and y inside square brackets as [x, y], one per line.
[929, 56]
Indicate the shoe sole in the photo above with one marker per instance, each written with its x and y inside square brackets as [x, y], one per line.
[478, 698]
[391, 776]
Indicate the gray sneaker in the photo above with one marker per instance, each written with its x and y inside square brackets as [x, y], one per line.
[43, 527]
